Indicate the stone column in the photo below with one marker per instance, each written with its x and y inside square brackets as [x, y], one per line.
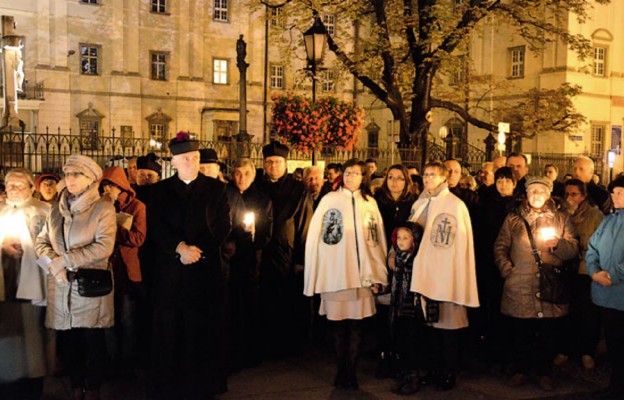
[243, 138]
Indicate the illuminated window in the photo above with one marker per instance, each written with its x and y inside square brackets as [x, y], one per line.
[220, 71]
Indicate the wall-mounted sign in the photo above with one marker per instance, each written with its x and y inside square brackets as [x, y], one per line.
[576, 138]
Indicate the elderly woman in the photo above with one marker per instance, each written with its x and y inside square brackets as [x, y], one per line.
[346, 256]
[79, 233]
[22, 290]
[605, 265]
[443, 276]
[534, 321]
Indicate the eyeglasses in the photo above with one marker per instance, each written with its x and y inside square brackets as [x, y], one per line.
[396, 178]
[352, 173]
[430, 175]
[572, 194]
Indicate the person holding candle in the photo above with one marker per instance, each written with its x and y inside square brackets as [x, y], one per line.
[252, 222]
[605, 265]
[79, 233]
[22, 290]
[534, 323]
[345, 256]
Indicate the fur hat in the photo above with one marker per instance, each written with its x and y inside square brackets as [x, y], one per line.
[149, 161]
[182, 143]
[85, 165]
[208, 156]
[275, 148]
[532, 180]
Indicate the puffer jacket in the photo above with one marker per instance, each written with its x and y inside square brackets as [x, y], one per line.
[128, 240]
[514, 258]
[84, 235]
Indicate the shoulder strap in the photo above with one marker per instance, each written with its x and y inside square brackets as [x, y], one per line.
[538, 260]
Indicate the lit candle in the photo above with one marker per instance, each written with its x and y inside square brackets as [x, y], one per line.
[548, 233]
[249, 219]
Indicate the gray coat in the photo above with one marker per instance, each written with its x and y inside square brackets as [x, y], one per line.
[88, 234]
[513, 256]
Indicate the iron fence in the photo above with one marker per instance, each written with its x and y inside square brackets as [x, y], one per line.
[46, 152]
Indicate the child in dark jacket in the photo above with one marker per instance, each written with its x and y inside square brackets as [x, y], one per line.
[404, 313]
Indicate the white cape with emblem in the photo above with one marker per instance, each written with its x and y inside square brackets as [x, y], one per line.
[444, 267]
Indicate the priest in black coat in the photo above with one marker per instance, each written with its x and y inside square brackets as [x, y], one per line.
[285, 311]
[188, 218]
[252, 224]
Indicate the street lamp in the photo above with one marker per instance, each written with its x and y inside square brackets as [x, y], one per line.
[314, 40]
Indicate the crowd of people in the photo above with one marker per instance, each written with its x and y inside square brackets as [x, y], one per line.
[215, 272]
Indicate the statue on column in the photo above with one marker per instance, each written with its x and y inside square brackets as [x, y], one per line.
[13, 77]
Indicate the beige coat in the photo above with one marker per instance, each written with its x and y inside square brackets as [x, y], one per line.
[89, 230]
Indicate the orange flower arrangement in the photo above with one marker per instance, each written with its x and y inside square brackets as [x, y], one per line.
[307, 127]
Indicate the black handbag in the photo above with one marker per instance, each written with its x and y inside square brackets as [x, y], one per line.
[92, 282]
[554, 280]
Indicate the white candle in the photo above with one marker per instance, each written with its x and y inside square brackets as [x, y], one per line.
[249, 219]
[548, 233]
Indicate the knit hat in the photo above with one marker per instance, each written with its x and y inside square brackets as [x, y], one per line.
[532, 180]
[182, 143]
[275, 149]
[85, 165]
[149, 161]
[208, 156]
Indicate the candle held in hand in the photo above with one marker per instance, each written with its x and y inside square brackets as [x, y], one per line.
[249, 219]
[548, 233]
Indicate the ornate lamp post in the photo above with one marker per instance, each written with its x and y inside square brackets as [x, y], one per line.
[314, 40]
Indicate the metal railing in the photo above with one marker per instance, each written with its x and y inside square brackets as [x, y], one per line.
[46, 152]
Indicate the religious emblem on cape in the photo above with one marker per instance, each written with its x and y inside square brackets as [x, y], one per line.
[332, 226]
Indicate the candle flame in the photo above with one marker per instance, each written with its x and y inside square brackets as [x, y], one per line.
[249, 218]
[548, 233]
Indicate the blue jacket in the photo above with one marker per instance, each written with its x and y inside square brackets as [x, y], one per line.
[606, 252]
